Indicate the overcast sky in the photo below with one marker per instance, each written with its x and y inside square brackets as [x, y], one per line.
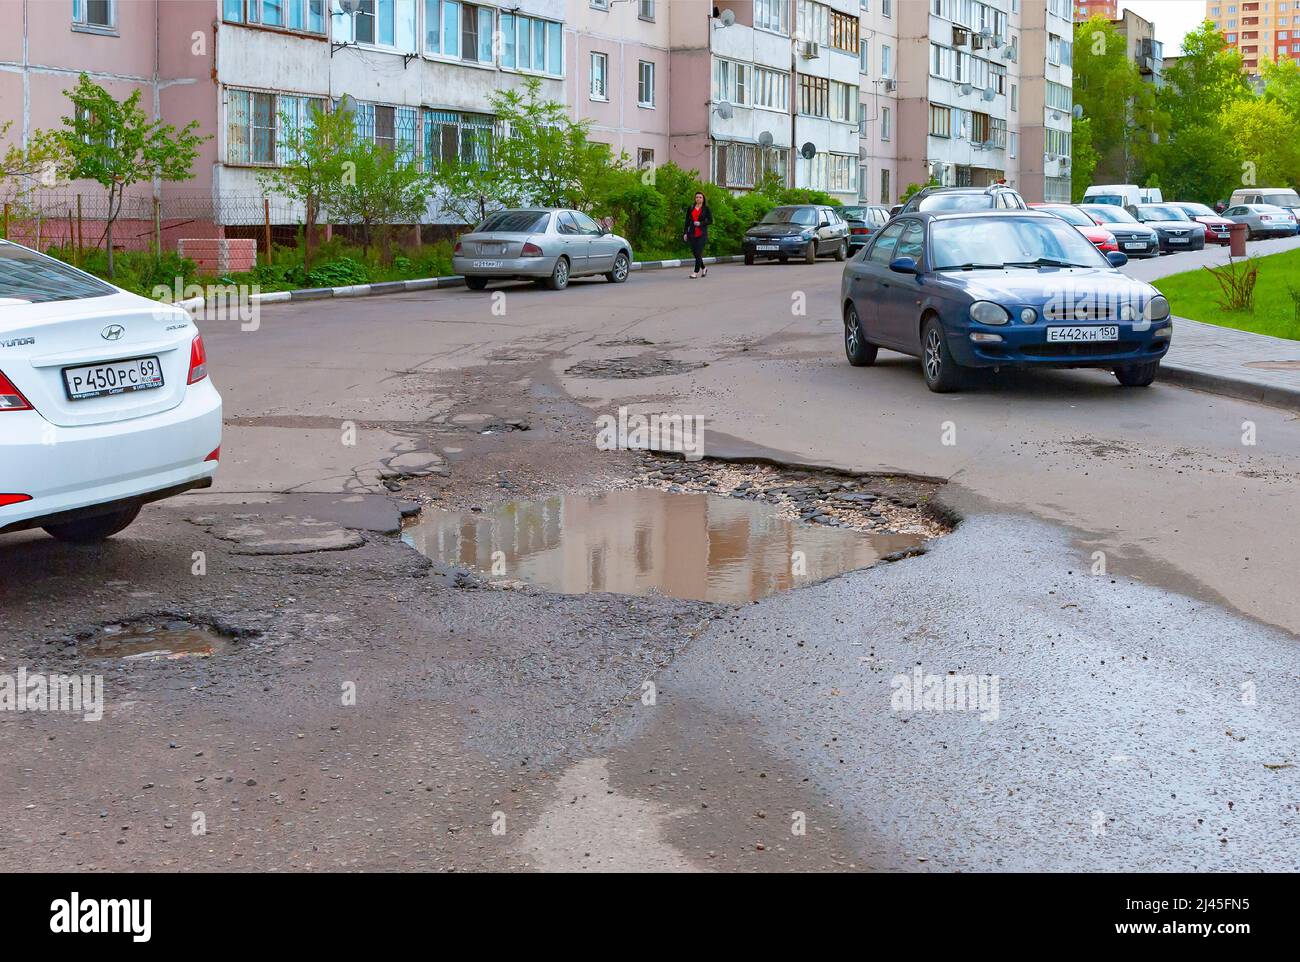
[1173, 18]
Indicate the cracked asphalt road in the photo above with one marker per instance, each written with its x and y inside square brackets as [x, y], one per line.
[1125, 737]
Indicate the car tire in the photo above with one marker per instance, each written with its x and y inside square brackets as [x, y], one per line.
[842, 251]
[810, 255]
[475, 283]
[621, 269]
[92, 530]
[941, 372]
[1137, 375]
[783, 258]
[857, 349]
[749, 259]
[559, 278]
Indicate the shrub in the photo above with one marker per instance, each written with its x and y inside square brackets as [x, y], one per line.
[1237, 281]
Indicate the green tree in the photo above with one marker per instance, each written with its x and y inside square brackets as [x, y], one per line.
[1282, 84]
[24, 167]
[380, 187]
[1083, 160]
[114, 143]
[1125, 125]
[1262, 130]
[313, 168]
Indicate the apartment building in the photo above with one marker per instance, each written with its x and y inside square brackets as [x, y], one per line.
[1260, 30]
[1087, 9]
[858, 98]
[1142, 46]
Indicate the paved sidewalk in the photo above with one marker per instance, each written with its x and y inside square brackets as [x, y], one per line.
[1224, 360]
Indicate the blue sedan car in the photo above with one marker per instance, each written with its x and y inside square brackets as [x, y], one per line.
[993, 289]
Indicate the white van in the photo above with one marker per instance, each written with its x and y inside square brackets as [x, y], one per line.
[1277, 196]
[1120, 195]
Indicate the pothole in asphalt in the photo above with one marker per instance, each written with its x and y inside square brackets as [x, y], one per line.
[155, 641]
[643, 541]
[629, 367]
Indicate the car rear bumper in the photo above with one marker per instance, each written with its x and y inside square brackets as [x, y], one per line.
[81, 471]
[504, 266]
[1028, 347]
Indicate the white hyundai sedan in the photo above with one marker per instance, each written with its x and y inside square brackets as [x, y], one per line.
[105, 401]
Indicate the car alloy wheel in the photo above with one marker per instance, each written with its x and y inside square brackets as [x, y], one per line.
[559, 276]
[619, 274]
[941, 372]
[933, 355]
[856, 348]
[810, 255]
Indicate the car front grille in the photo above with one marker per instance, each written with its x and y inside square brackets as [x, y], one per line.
[1090, 349]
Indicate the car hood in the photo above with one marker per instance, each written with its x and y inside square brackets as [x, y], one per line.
[1171, 224]
[776, 230]
[1214, 221]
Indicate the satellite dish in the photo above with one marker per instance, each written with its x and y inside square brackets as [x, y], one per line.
[349, 7]
[1049, 157]
[965, 89]
[1078, 111]
[1057, 115]
[765, 139]
[727, 18]
[863, 154]
[989, 93]
[808, 151]
[724, 110]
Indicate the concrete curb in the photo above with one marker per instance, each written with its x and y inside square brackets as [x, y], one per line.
[421, 284]
[1227, 386]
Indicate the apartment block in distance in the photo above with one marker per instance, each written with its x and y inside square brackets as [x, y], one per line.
[1260, 30]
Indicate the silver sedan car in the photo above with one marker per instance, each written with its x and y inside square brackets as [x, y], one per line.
[547, 245]
[1262, 220]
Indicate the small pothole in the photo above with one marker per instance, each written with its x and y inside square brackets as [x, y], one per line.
[157, 640]
[630, 367]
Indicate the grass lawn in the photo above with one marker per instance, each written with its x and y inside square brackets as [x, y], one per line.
[1196, 294]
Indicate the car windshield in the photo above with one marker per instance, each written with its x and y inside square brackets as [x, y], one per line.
[1112, 215]
[1163, 212]
[1283, 198]
[515, 222]
[976, 243]
[1110, 200]
[804, 216]
[1071, 215]
[28, 276]
[963, 201]
[1198, 210]
[853, 213]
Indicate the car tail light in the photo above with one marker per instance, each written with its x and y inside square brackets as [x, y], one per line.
[11, 399]
[456, 249]
[198, 360]
[8, 499]
[214, 456]
[1265, 216]
[532, 250]
[860, 230]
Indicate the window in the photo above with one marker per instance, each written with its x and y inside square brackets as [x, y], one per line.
[771, 15]
[886, 8]
[832, 172]
[882, 251]
[814, 22]
[814, 95]
[1057, 141]
[645, 84]
[736, 165]
[886, 60]
[1059, 96]
[265, 128]
[599, 80]
[645, 158]
[771, 89]
[885, 195]
[980, 130]
[864, 57]
[452, 137]
[376, 23]
[1059, 51]
[1015, 98]
[1011, 146]
[388, 126]
[94, 14]
[646, 11]
[884, 123]
[731, 82]
[940, 121]
[844, 32]
[528, 43]
[997, 132]
[844, 98]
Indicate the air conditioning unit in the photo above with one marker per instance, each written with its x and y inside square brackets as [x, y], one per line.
[960, 37]
[1010, 53]
[890, 85]
[811, 50]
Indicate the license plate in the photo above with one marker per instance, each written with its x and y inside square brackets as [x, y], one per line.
[1178, 240]
[769, 247]
[487, 263]
[114, 377]
[1103, 332]
[1135, 247]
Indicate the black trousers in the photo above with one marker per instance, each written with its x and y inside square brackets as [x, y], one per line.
[697, 248]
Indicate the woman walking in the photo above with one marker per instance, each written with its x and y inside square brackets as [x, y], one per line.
[696, 232]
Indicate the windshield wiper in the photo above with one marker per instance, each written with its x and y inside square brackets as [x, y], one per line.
[1043, 262]
[970, 267]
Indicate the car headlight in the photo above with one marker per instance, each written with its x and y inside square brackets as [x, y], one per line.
[986, 312]
[1157, 308]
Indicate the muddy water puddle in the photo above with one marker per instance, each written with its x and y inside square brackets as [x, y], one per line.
[154, 642]
[643, 541]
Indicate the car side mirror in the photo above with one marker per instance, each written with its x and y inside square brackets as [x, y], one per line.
[1117, 258]
[903, 265]
[603, 230]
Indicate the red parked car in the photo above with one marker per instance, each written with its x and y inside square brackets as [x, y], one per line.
[1101, 238]
[1216, 227]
